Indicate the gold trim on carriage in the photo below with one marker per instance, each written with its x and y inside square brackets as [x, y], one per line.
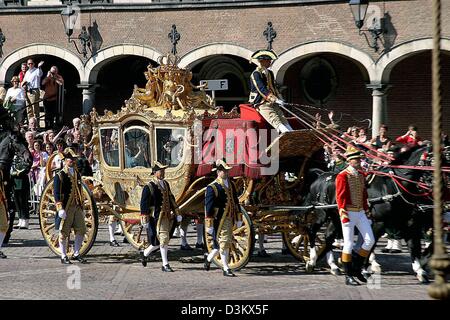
[176, 123]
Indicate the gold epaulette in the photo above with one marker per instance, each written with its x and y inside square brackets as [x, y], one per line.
[214, 187]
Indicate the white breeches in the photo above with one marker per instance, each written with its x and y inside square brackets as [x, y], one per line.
[359, 220]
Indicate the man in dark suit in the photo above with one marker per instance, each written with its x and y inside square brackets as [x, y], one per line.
[221, 208]
[68, 193]
[158, 210]
[264, 94]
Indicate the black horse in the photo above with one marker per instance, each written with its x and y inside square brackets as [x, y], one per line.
[12, 143]
[396, 203]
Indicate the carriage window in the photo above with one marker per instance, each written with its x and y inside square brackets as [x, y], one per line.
[110, 146]
[137, 148]
[170, 145]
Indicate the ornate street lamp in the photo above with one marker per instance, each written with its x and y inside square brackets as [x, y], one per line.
[69, 17]
[359, 11]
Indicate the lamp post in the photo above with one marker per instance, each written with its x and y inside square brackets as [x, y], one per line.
[359, 11]
[69, 17]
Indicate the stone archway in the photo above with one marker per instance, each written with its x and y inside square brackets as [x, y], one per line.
[291, 56]
[95, 63]
[200, 54]
[6, 67]
[105, 56]
[387, 61]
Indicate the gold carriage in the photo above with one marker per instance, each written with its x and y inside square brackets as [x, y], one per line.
[176, 123]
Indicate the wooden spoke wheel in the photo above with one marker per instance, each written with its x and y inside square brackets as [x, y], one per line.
[241, 246]
[48, 220]
[298, 244]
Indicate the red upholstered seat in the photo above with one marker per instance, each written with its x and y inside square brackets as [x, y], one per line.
[250, 113]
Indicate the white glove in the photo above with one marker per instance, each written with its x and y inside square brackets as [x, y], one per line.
[62, 214]
[280, 102]
[210, 230]
[179, 218]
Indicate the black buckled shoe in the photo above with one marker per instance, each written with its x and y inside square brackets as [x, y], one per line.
[167, 268]
[65, 260]
[114, 243]
[360, 277]
[350, 281]
[263, 254]
[186, 247]
[199, 245]
[228, 273]
[79, 258]
[2, 255]
[206, 263]
[143, 258]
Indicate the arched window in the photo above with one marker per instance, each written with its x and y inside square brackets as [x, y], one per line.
[109, 139]
[318, 80]
[136, 137]
[170, 145]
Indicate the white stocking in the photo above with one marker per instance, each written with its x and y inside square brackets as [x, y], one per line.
[2, 237]
[78, 242]
[212, 254]
[149, 250]
[183, 232]
[112, 229]
[200, 233]
[224, 258]
[330, 260]
[164, 250]
[63, 247]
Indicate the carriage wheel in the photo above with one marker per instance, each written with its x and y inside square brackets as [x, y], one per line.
[47, 213]
[241, 245]
[298, 244]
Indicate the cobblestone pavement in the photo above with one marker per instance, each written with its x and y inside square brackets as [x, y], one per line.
[32, 271]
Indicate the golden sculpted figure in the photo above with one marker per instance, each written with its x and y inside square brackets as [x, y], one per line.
[149, 95]
[170, 87]
[171, 91]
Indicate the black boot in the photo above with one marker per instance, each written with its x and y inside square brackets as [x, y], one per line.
[358, 262]
[349, 280]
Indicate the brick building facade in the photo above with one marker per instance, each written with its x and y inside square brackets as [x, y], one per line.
[318, 45]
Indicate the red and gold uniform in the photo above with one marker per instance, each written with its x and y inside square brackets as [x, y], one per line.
[351, 198]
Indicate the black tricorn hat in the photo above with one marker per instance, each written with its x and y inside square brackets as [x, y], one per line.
[68, 153]
[221, 165]
[264, 55]
[158, 166]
